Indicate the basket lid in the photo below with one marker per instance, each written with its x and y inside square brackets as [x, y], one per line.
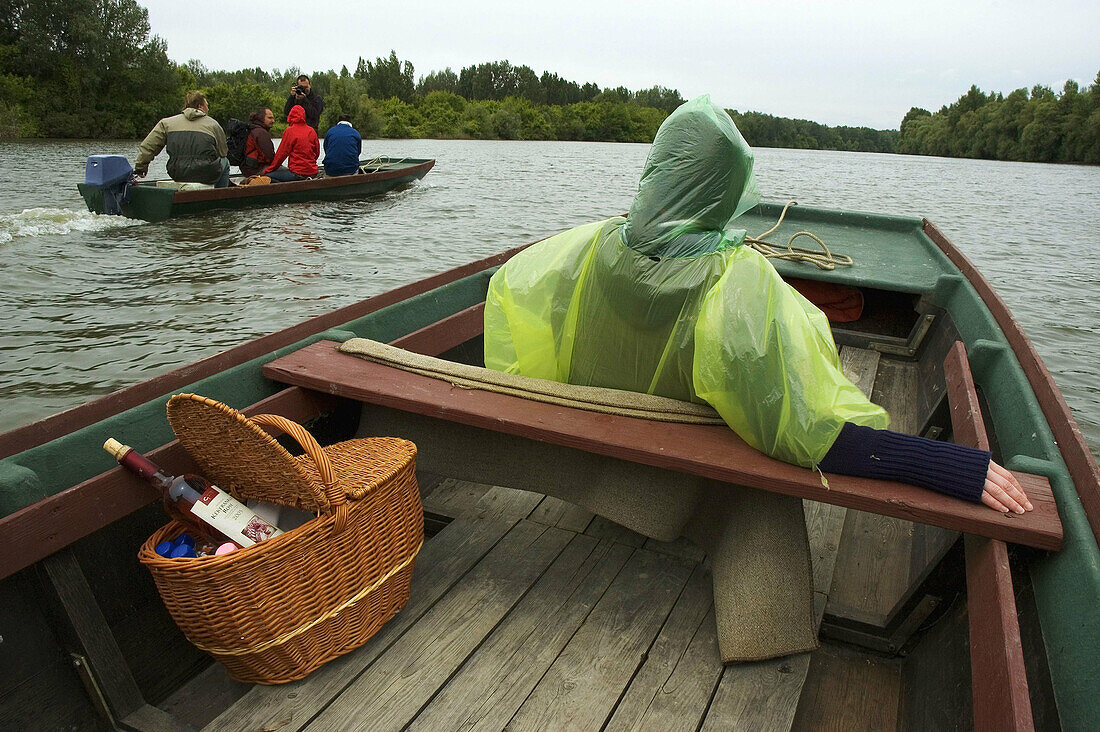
[239, 456]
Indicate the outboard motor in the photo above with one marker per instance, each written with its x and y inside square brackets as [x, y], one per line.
[113, 175]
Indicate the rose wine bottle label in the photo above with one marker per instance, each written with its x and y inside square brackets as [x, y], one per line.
[231, 517]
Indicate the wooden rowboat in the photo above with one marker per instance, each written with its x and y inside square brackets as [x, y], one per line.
[530, 611]
[151, 202]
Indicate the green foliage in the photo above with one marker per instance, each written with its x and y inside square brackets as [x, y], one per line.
[240, 100]
[659, 97]
[89, 68]
[764, 130]
[1035, 125]
[92, 66]
[388, 77]
[445, 80]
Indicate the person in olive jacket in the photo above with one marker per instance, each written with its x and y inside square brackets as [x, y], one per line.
[302, 95]
[197, 151]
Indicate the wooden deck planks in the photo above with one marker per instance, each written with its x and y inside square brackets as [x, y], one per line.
[406, 676]
[603, 528]
[849, 691]
[765, 694]
[575, 632]
[556, 512]
[673, 688]
[873, 562]
[495, 681]
[758, 696]
[582, 687]
[454, 498]
[443, 561]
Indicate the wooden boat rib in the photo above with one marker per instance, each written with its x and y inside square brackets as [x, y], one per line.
[149, 202]
[518, 543]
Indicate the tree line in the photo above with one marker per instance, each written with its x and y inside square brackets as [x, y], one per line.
[1036, 126]
[91, 69]
[494, 100]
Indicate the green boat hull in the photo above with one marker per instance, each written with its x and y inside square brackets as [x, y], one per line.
[149, 202]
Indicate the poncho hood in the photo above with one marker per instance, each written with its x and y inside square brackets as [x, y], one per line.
[697, 178]
[296, 116]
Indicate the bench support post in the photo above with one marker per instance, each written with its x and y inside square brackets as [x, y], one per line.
[999, 679]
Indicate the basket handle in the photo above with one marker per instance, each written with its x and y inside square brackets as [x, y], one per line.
[334, 494]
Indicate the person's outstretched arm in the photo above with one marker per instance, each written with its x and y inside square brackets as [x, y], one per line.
[955, 470]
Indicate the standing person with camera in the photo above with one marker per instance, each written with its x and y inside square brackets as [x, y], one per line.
[302, 95]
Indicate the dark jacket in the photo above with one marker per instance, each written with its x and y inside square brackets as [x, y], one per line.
[259, 150]
[195, 142]
[342, 147]
[313, 104]
[299, 144]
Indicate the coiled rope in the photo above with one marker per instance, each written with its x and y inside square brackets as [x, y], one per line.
[826, 261]
[379, 162]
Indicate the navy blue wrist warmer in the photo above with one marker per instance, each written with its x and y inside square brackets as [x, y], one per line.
[945, 467]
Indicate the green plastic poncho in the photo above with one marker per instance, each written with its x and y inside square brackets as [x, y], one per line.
[667, 301]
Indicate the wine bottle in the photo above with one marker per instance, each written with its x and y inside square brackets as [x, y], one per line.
[197, 501]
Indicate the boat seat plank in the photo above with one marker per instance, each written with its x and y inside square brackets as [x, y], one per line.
[704, 450]
[409, 673]
[1001, 698]
[498, 677]
[441, 564]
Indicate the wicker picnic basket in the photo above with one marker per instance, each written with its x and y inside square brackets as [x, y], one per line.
[275, 611]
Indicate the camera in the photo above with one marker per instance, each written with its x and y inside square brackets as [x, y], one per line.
[299, 89]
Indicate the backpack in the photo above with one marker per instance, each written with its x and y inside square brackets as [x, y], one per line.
[236, 138]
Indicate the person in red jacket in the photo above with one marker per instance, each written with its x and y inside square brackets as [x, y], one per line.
[299, 147]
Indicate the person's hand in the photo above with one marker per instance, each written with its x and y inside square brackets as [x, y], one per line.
[1003, 492]
[140, 174]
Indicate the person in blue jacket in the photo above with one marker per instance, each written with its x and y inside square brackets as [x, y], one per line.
[342, 148]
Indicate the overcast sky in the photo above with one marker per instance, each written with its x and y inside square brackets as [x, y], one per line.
[854, 62]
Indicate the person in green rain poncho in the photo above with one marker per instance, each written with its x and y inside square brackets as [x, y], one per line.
[668, 301]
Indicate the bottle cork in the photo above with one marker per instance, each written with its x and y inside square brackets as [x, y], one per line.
[116, 448]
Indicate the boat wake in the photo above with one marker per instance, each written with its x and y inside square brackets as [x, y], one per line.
[57, 221]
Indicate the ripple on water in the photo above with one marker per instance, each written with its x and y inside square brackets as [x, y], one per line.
[44, 222]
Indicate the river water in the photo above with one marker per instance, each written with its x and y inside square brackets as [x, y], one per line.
[91, 304]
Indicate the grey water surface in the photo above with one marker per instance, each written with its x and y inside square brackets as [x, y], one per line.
[89, 304]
